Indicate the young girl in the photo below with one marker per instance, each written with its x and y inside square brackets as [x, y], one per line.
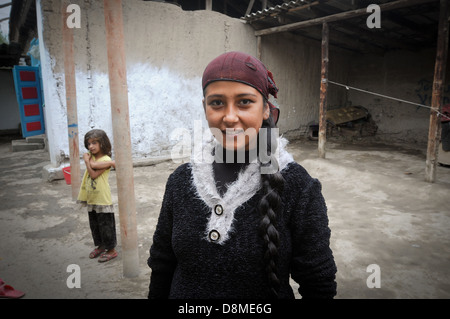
[95, 193]
[241, 229]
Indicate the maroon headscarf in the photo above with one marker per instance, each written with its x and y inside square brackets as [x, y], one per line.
[244, 68]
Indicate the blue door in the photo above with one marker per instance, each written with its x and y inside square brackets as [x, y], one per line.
[29, 97]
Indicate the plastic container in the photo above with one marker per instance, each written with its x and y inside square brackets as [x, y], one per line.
[66, 171]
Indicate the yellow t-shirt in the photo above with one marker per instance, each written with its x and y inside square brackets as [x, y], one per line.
[96, 193]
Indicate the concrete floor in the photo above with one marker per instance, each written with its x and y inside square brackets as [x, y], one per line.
[381, 212]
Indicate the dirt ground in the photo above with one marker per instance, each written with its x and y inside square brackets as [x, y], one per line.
[381, 212]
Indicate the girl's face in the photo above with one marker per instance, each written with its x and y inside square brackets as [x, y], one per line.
[235, 112]
[94, 146]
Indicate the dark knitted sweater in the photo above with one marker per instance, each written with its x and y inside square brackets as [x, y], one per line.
[186, 263]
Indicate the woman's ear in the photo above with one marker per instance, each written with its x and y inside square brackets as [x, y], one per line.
[266, 113]
[204, 106]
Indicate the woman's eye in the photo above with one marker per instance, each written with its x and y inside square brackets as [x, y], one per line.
[246, 102]
[215, 103]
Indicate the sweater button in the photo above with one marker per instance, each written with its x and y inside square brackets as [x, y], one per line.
[214, 235]
[218, 209]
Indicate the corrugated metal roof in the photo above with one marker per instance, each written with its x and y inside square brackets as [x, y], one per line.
[276, 9]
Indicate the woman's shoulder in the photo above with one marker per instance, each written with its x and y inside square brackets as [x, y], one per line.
[300, 187]
[294, 169]
[182, 172]
[296, 175]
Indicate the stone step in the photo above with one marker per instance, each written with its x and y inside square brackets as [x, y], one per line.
[25, 145]
[36, 139]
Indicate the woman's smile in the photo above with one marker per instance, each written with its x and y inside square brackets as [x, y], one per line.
[233, 132]
[237, 110]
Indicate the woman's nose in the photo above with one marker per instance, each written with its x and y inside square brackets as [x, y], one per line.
[231, 115]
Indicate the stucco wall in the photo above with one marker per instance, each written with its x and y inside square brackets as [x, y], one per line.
[403, 75]
[296, 63]
[167, 50]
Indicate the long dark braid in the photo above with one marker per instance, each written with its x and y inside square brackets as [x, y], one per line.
[269, 207]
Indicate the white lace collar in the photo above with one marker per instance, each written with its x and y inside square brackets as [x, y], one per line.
[239, 192]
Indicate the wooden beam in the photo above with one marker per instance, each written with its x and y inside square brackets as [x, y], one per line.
[258, 47]
[305, 6]
[250, 6]
[208, 5]
[263, 4]
[323, 91]
[437, 96]
[5, 5]
[376, 39]
[71, 102]
[342, 40]
[339, 16]
[121, 131]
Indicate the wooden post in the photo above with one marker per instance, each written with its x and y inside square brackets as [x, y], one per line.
[208, 5]
[71, 102]
[323, 92]
[437, 97]
[121, 131]
[258, 48]
[250, 6]
[264, 4]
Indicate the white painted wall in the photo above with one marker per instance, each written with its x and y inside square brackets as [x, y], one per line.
[166, 52]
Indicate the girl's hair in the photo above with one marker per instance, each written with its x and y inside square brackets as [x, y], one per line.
[101, 137]
[269, 207]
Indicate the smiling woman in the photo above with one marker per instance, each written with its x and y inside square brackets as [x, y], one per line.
[235, 109]
[235, 229]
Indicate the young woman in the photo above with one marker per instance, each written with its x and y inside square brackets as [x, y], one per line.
[231, 228]
[95, 193]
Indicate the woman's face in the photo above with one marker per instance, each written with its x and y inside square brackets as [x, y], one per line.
[235, 112]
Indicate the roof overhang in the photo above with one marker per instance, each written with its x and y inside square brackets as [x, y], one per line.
[404, 24]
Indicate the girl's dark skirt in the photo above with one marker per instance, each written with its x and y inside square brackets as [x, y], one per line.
[103, 229]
